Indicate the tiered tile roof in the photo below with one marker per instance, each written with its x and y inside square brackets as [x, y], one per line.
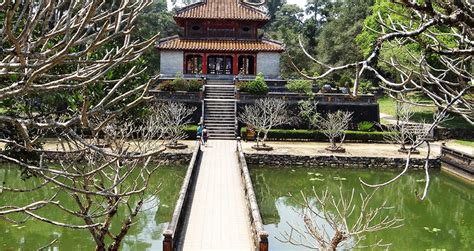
[222, 9]
[176, 43]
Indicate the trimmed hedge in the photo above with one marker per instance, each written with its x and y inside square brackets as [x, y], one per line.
[191, 131]
[315, 135]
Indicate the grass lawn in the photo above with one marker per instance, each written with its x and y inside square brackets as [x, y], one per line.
[388, 106]
[464, 142]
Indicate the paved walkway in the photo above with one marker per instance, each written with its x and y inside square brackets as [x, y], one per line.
[218, 217]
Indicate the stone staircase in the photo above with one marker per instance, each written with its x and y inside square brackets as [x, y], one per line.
[219, 109]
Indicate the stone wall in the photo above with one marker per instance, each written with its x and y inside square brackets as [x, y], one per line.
[171, 62]
[172, 157]
[269, 64]
[285, 160]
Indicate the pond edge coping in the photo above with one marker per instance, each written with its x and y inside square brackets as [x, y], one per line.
[172, 234]
[260, 235]
[336, 161]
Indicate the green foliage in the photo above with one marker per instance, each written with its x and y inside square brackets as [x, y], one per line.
[181, 84]
[345, 80]
[316, 135]
[194, 85]
[300, 86]
[364, 86]
[365, 126]
[257, 86]
[167, 86]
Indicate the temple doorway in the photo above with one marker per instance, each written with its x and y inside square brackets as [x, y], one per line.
[219, 65]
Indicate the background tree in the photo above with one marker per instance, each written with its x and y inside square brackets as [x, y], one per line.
[333, 221]
[405, 132]
[334, 126]
[68, 69]
[429, 51]
[319, 12]
[264, 115]
[105, 185]
[152, 20]
[173, 117]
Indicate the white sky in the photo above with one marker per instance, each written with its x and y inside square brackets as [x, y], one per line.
[300, 3]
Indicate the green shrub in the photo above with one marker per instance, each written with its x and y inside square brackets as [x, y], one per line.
[364, 86]
[257, 86]
[190, 131]
[194, 85]
[166, 86]
[345, 81]
[365, 126]
[300, 86]
[316, 135]
[180, 84]
[241, 85]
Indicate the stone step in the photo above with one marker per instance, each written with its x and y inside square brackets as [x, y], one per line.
[211, 96]
[220, 108]
[220, 87]
[220, 93]
[226, 133]
[217, 106]
[216, 113]
[219, 100]
[219, 120]
[222, 137]
[214, 125]
[219, 82]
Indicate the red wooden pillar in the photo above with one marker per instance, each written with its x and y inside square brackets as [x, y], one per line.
[235, 65]
[255, 64]
[204, 63]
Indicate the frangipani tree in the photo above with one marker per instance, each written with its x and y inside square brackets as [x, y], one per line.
[342, 220]
[68, 69]
[264, 115]
[421, 47]
[172, 117]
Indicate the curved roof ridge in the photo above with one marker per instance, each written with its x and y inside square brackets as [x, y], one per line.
[175, 43]
[222, 9]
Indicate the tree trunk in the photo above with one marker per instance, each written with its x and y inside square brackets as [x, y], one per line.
[333, 143]
[337, 239]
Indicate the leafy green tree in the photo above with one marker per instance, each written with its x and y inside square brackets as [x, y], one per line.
[319, 12]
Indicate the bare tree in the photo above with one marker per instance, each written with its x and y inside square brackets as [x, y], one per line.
[264, 115]
[56, 46]
[80, 48]
[173, 117]
[441, 71]
[334, 126]
[105, 184]
[405, 132]
[334, 221]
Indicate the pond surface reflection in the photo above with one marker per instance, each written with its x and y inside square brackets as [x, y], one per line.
[444, 220]
[145, 234]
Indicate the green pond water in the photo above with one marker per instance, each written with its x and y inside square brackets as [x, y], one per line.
[444, 221]
[145, 234]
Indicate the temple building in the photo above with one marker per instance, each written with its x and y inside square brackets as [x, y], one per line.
[220, 38]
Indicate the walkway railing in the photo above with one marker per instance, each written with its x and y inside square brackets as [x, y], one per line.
[457, 159]
[260, 236]
[173, 233]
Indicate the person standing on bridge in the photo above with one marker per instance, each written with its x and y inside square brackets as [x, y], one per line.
[199, 133]
[205, 135]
